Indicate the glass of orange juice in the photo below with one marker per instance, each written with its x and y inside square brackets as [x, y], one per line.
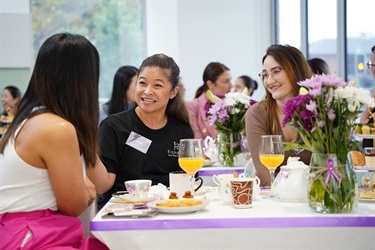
[191, 157]
[271, 155]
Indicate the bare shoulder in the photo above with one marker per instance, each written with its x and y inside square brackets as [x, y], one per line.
[52, 127]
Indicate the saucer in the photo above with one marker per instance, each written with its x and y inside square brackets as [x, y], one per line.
[364, 168]
[136, 200]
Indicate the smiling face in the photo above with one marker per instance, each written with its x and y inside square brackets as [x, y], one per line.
[277, 82]
[7, 99]
[154, 90]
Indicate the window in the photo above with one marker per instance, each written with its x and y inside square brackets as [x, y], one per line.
[325, 35]
[361, 38]
[289, 25]
[322, 31]
[114, 27]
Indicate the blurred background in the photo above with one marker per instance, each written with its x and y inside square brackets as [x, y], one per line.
[234, 32]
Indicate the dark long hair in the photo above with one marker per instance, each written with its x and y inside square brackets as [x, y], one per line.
[176, 107]
[296, 68]
[318, 66]
[211, 73]
[65, 81]
[249, 83]
[121, 83]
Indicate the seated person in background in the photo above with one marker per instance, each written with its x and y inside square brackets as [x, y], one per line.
[243, 82]
[217, 78]
[182, 88]
[123, 92]
[143, 143]
[366, 117]
[47, 148]
[283, 67]
[10, 98]
[318, 66]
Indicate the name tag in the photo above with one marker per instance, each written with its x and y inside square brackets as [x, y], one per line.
[138, 142]
[297, 151]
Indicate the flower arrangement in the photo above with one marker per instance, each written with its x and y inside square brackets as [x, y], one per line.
[324, 114]
[227, 114]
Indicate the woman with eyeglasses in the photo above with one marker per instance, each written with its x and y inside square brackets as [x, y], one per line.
[371, 64]
[283, 67]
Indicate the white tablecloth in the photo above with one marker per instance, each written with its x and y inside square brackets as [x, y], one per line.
[267, 225]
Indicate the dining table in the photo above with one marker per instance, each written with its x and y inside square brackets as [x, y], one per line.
[268, 224]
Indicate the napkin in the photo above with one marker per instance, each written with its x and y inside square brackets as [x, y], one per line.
[250, 168]
[162, 191]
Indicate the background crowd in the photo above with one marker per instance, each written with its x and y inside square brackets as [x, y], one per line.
[139, 131]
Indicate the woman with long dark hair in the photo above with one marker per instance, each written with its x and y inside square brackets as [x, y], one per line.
[216, 78]
[123, 92]
[49, 146]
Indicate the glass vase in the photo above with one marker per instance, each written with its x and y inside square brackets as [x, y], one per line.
[332, 184]
[228, 145]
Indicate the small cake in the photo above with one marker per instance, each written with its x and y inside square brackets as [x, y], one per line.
[173, 198]
[187, 198]
[188, 195]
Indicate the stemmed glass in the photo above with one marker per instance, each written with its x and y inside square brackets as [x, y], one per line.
[191, 157]
[271, 155]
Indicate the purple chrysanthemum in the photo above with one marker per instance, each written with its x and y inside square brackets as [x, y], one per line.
[292, 106]
[331, 114]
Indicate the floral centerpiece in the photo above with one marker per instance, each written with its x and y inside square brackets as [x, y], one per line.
[227, 114]
[324, 114]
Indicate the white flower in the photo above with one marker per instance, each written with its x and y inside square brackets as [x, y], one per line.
[235, 98]
[352, 94]
[354, 106]
[330, 96]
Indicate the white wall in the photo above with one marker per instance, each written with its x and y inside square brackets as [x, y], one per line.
[196, 33]
[15, 34]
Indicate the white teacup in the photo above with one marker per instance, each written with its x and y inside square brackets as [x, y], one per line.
[180, 182]
[223, 181]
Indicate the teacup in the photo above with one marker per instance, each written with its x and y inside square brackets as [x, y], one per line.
[370, 156]
[138, 188]
[223, 181]
[180, 182]
[242, 191]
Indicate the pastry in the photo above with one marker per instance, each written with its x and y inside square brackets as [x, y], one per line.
[358, 158]
[367, 195]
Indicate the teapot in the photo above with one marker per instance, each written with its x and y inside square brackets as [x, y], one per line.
[292, 181]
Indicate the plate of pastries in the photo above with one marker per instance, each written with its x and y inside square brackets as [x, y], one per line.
[177, 205]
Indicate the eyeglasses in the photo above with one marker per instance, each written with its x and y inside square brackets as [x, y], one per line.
[369, 65]
[275, 74]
